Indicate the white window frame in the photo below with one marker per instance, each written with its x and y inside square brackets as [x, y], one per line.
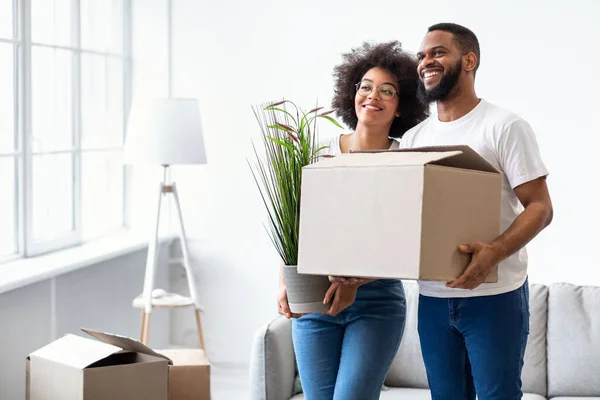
[23, 156]
[17, 153]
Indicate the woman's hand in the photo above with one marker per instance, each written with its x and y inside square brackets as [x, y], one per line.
[341, 296]
[282, 304]
[349, 280]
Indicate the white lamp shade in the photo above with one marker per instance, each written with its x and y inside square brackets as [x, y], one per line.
[165, 132]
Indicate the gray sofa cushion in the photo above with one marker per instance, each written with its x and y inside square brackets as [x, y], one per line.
[420, 394]
[395, 393]
[573, 340]
[272, 369]
[532, 396]
[534, 370]
[576, 398]
[408, 369]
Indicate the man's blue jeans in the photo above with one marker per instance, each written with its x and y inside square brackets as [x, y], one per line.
[347, 357]
[475, 346]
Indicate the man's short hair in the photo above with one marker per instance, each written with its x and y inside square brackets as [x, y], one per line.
[464, 37]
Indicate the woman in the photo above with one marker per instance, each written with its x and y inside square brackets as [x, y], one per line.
[345, 353]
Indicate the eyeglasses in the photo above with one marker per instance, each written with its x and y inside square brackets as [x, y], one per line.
[386, 91]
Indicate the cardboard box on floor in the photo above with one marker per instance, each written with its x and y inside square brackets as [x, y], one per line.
[189, 376]
[115, 368]
[110, 368]
[397, 214]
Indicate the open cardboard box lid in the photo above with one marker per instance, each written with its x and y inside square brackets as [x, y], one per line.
[79, 352]
[124, 343]
[461, 156]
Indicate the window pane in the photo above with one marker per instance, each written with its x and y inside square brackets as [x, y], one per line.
[52, 195]
[51, 22]
[8, 207]
[51, 99]
[102, 25]
[6, 98]
[6, 19]
[101, 192]
[101, 101]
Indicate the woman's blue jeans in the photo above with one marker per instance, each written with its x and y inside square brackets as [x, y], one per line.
[347, 357]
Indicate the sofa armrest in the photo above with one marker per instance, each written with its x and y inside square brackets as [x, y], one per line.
[272, 362]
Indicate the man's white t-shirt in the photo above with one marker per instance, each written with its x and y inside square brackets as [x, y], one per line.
[508, 143]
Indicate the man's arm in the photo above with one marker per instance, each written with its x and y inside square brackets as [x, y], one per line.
[536, 216]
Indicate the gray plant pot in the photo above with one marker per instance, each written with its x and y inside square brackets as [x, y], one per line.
[305, 293]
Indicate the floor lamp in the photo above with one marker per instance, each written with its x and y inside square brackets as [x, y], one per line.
[165, 132]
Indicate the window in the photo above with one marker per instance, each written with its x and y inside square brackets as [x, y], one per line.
[9, 156]
[64, 92]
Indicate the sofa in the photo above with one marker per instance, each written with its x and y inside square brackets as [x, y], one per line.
[562, 359]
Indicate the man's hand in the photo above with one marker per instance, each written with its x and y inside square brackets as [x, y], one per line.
[484, 258]
[343, 297]
[537, 215]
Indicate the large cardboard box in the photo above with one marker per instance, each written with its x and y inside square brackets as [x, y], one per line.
[110, 368]
[189, 376]
[398, 213]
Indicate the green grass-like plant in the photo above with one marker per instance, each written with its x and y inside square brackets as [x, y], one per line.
[289, 136]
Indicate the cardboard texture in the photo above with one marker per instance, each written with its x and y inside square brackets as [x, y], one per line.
[189, 376]
[397, 214]
[115, 367]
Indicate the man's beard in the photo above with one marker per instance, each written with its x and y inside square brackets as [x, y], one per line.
[442, 90]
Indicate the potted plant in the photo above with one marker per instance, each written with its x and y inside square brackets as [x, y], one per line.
[290, 143]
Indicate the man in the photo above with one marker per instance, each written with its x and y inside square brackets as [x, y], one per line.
[473, 334]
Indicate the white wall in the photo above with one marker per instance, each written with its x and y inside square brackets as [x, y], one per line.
[149, 80]
[538, 59]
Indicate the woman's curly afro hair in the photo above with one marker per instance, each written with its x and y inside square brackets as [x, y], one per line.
[391, 57]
